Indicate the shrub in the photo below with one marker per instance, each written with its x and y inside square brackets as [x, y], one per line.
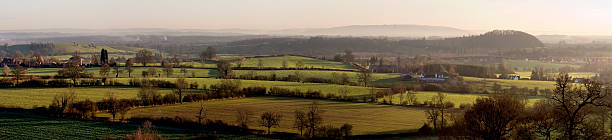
[254, 91]
[59, 83]
[425, 129]
[5, 83]
[90, 82]
[170, 99]
[433, 87]
[31, 83]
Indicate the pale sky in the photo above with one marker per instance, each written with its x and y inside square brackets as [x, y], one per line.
[583, 17]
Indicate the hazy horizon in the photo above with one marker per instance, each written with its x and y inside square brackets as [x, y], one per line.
[590, 17]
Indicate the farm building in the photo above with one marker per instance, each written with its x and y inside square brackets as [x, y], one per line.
[515, 77]
[578, 80]
[433, 77]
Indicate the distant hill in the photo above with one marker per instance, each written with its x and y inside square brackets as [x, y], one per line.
[49, 49]
[574, 39]
[379, 30]
[494, 40]
[498, 39]
[403, 30]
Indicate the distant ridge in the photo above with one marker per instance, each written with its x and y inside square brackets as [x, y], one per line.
[400, 30]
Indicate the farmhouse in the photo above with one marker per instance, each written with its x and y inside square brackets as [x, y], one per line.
[433, 77]
[516, 77]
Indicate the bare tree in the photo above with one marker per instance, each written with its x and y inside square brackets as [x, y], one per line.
[270, 119]
[104, 70]
[62, 101]
[225, 69]
[73, 69]
[111, 104]
[6, 70]
[284, 64]
[344, 92]
[313, 118]
[116, 70]
[365, 76]
[144, 57]
[168, 69]
[260, 63]
[202, 114]
[299, 64]
[18, 71]
[542, 117]
[300, 122]
[180, 87]
[242, 118]
[129, 66]
[571, 103]
[492, 118]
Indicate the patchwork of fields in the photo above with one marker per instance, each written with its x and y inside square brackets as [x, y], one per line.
[291, 61]
[365, 118]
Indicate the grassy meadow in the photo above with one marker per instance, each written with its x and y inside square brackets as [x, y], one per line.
[277, 62]
[522, 65]
[365, 118]
[455, 98]
[527, 74]
[317, 74]
[479, 83]
[323, 87]
[30, 97]
[136, 73]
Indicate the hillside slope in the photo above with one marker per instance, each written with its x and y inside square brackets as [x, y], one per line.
[498, 39]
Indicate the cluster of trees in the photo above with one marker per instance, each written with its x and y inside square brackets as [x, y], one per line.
[570, 112]
[347, 57]
[68, 105]
[207, 54]
[307, 121]
[540, 73]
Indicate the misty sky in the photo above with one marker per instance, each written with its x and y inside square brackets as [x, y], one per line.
[584, 17]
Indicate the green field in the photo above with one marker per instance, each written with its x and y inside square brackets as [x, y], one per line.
[30, 97]
[353, 76]
[478, 83]
[30, 126]
[323, 87]
[277, 62]
[522, 65]
[196, 64]
[455, 98]
[136, 73]
[63, 50]
[527, 74]
[365, 118]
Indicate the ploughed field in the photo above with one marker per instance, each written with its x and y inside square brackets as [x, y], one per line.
[365, 118]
